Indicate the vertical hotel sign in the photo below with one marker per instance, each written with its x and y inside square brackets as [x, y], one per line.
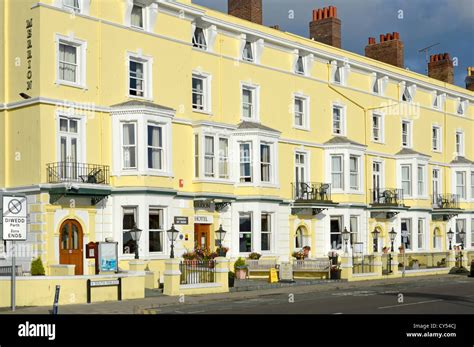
[29, 54]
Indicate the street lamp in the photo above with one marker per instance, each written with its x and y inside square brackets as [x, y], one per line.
[345, 236]
[135, 233]
[462, 235]
[375, 235]
[450, 238]
[172, 236]
[220, 236]
[392, 234]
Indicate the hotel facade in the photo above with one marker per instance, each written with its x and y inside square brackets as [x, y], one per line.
[118, 113]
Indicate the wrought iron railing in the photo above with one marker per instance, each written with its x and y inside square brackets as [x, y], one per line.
[69, 171]
[445, 200]
[386, 197]
[197, 271]
[362, 264]
[311, 191]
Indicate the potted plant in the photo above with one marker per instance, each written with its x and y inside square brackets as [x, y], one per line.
[335, 272]
[401, 249]
[231, 278]
[254, 256]
[299, 255]
[333, 256]
[240, 269]
[306, 250]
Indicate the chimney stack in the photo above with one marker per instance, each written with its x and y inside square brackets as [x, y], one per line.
[389, 50]
[250, 10]
[325, 26]
[470, 78]
[441, 67]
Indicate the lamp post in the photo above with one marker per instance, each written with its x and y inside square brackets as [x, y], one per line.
[345, 237]
[135, 233]
[392, 234]
[172, 235]
[462, 234]
[450, 238]
[220, 236]
[375, 235]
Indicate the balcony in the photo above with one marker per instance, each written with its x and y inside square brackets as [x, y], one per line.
[445, 201]
[386, 197]
[73, 172]
[311, 197]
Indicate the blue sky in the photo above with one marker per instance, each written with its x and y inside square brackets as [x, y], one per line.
[425, 22]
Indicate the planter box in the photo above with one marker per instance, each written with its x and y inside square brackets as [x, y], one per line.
[336, 275]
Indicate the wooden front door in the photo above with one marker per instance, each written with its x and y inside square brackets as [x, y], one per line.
[70, 244]
[202, 235]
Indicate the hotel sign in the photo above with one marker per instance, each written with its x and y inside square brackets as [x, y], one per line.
[180, 220]
[202, 204]
[199, 219]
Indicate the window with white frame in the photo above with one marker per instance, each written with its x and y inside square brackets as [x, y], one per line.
[249, 102]
[336, 226]
[72, 5]
[245, 232]
[338, 120]
[377, 128]
[137, 19]
[436, 138]
[245, 162]
[406, 179]
[459, 143]
[354, 229]
[155, 230]
[437, 238]
[265, 163]
[472, 185]
[299, 66]
[337, 172]
[70, 146]
[421, 180]
[406, 233]
[461, 184]
[406, 96]
[201, 92]
[266, 232]
[248, 53]
[421, 233]
[406, 134]
[436, 101]
[338, 75]
[129, 146]
[223, 158]
[137, 77]
[472, 232]
[209, 156]
[460, 227]
[155, 146]
[301, 112]
[461, 107]
[129, 220]
[71, 61]
[196, 155]
[354, 172]
[199, 39]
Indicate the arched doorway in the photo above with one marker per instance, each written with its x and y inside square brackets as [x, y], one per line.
[302, 238]
[70, 244]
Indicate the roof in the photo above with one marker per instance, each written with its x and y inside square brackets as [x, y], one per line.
[252, 125]
[409, 151]
[132, 103]
[342, 140]
[461, 160]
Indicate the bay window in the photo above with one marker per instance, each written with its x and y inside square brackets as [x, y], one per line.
[406, 180]
[129, 220]
[406, 233]
[155, 147]
[245, 232]
[421, 233]
[266, 229]
[460, 226]
[461, 184]
[156, 230]
[245, 162]
[223, 158]
[336, 232]
[209, 156]
[265, 163]
[354, 172]
[129, 146]
[337, 172]
[421, 180]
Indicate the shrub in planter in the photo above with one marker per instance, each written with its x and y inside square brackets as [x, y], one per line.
[240, 269]
[254, 256]
[231, 278]
[37, 268]
[298, 255]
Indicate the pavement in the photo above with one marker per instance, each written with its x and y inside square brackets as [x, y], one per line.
[421, 295]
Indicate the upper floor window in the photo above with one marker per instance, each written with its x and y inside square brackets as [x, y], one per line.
[338, 75]
[139, 76]
[461, 184]
[406, 134]
[71, 57]
[337, 172]
[421, 180]
[354, 172]
[201, 92]
[301, 112]
[216, 156]
[209, 156]
[338, 120]
[407, 94]
[461, 108]
[137, 19]
[265, 163]
[156, 230]
[459, 143]
[249, 102]
[245, 162]
[248, 54]
[377, 128]
[199, 39]
[299, 68]
[436, 138]
[406, 180]
[155, 147]
[72, 5]
[223, 158]
[129, 146]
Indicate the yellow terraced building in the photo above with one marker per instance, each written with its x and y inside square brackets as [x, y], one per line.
[152, 112]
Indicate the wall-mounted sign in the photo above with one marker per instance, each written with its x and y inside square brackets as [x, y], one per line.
[180, 220]
[202, 204]
[200, 219]
[14, 218]
[29, 55]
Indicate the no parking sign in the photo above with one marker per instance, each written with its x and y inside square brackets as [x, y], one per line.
[14, 218]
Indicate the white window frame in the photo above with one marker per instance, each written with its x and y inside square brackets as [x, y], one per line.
[305, 117]
[269, 164]
[255, 89]
[81, 134]
[162, 148]
[195, 43]
[269, 232]
[438, 148]
[461, 106]
[341, 173]
[409, 142]
[212, 156]
[249, 162]
[147, 62]
[421, 235]
[421, 183]
[381, 137]
[81, 66]
[459, 152]
[162, 230]
[252, 244]
[136, 214]
[463, 173]
[223, 158]
[472, 186]
[355, 173]
[77, 9]
[122, 146]
[296, 67]
[407, 93]
[409, 232]
[207, 92]
[410, 179]
[252, 52]
[144, 16]
[342, 124]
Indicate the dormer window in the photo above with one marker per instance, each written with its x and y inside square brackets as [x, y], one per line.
[247, 54]
[199, 39]
[72, 5]
[299, 68]
[339, 72]
[137, 19]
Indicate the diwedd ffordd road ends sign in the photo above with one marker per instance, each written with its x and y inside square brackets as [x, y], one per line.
[14, 217]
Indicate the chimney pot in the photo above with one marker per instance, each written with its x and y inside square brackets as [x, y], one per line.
[382, 38]
[441, 68]
[320, 13]
[325, 26]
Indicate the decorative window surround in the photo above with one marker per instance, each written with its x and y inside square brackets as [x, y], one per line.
[346, 151]
[81, 131]
[407, 92]
[343, 119]
[305, 100]
[461, 106]
[150, 12]
[257, 45]
[210, 34]
[142, 116]
[81, 66]
[147, 62]
[307, 60]
[378, 84]
[378, 129]
[207, 92]
[339, 72]
[255, 102]
[438, 100]
[466, 170]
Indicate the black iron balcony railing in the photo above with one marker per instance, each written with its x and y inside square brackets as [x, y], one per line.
[311, 191]
[386, 197]
[69, 171]
[445, 201]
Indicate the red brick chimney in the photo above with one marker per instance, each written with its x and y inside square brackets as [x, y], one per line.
[389, 50]
[470, 78]
[325, 26]
[246, 9]
[441, 67]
